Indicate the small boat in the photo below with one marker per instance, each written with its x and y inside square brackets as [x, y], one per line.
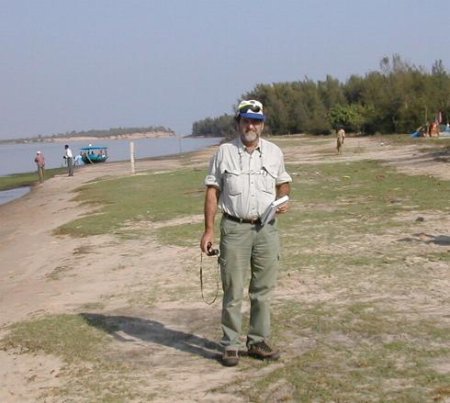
[94, 154]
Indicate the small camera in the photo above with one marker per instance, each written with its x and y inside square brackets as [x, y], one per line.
[213, 252]
[210, 251]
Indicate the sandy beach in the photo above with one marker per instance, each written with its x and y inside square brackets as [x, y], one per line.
[32, 257]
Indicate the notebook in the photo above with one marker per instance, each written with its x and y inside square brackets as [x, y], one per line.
[270, 212]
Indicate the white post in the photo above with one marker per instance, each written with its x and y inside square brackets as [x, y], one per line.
[132, 155]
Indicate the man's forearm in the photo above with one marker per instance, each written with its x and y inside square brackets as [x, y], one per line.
[283, 189]
[210, 209]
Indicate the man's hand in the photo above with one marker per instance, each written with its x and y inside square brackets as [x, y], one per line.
[282, 190]
[283, 208]
[207, 241]
[210, 209]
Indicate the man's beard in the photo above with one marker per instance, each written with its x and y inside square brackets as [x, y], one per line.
[249, 137]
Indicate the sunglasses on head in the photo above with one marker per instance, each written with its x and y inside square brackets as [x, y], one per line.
[253, 108]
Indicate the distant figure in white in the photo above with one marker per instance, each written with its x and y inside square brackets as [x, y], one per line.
[78, 160]
[340, 137]
[68, 156]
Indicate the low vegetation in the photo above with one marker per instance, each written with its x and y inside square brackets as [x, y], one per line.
[139, 198]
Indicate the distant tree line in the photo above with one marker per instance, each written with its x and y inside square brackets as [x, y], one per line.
[396, 99]
[118, 131]
[100, 133]
[217, 127]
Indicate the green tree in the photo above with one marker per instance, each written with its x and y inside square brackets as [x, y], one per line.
[398, 98]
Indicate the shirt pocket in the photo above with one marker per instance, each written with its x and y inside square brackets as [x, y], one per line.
[232, 182]
[268, 179]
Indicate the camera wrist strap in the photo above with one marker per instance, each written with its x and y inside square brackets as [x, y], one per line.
[201, 281]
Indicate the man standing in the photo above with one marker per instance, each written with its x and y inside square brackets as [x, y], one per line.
[244, 178]
[340, 137]
[40, 163]
[68, 156]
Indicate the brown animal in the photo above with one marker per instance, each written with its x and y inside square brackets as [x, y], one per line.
[340, 136]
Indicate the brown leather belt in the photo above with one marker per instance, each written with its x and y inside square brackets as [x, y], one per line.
[242, 220]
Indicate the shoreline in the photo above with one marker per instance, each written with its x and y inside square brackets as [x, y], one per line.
[10, 195]
[32, 187]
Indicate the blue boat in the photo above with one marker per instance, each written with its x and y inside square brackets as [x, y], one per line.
[94, 154]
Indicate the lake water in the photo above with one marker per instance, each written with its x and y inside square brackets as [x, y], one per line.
[19, 158]
[12, 194]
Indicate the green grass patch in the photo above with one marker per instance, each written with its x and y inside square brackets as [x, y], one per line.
[67, 336]
[361, 352]
[185, 235]
[84, 342]
[361, 187]
[26, 179]
[297, 140]
[341, 198]
[360, 375]
[148, 197]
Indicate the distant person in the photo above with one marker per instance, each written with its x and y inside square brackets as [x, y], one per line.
[340, 137]
[78, 160]
[68, 156]
[434, 130]
[40, 163]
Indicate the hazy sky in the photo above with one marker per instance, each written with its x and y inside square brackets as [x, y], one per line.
[95, 64]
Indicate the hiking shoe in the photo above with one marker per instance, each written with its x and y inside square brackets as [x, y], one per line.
[230, 358]
[262, 351]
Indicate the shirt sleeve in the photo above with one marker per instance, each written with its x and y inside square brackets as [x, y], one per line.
[283, 176]
[214, 177]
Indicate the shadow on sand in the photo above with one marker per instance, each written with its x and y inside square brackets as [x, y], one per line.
[152, 331]
[442, 240]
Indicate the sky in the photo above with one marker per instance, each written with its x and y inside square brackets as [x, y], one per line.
[98, 64]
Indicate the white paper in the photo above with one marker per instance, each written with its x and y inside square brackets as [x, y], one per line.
[270, 212]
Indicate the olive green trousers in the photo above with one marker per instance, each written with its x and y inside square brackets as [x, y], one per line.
[247, 251]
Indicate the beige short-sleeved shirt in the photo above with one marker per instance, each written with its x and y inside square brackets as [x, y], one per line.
[247, 182]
